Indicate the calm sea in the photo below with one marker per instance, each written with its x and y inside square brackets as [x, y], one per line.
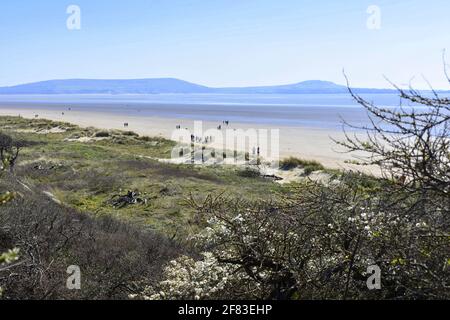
[305, 110]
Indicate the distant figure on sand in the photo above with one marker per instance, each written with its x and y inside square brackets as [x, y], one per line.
[125, 124]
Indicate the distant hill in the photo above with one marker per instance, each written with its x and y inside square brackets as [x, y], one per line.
[83, 86]
[312, 86]
[171, 85]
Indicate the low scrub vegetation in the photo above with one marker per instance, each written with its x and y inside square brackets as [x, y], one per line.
[249, 173]
[116, 258]
[102, 134]
[317, 244]
[308, 165]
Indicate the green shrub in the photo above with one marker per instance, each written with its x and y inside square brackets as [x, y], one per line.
[102, 134]
[309, 165]
[130, 134]
[248, 173]
[114, 256]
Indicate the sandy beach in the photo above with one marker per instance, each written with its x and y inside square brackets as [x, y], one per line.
[305, 143]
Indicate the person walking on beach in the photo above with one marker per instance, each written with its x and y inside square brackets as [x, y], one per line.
[203, 154]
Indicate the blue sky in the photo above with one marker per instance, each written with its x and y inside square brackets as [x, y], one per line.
[225, 42]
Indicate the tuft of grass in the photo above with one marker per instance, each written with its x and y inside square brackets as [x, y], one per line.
[102, 134]
[249, 173]
[130, 134]
[308, 165]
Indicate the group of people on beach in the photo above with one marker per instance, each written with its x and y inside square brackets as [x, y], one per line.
[204, 140]
[224, 123]
[219, 127]
[256, 150]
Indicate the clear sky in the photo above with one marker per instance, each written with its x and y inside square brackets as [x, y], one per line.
[225, 42]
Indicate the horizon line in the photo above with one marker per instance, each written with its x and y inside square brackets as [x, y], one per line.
[218, 87]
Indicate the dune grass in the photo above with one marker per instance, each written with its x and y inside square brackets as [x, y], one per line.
[308, 165]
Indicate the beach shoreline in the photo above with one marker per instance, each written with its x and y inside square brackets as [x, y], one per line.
[306, 143]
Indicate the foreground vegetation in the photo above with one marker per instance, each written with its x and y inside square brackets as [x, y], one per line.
[140, 228]
[87, 174]
[65, 184]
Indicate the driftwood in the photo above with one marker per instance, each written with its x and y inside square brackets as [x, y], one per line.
[272, 177]
[41, 167]
[131, 198]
